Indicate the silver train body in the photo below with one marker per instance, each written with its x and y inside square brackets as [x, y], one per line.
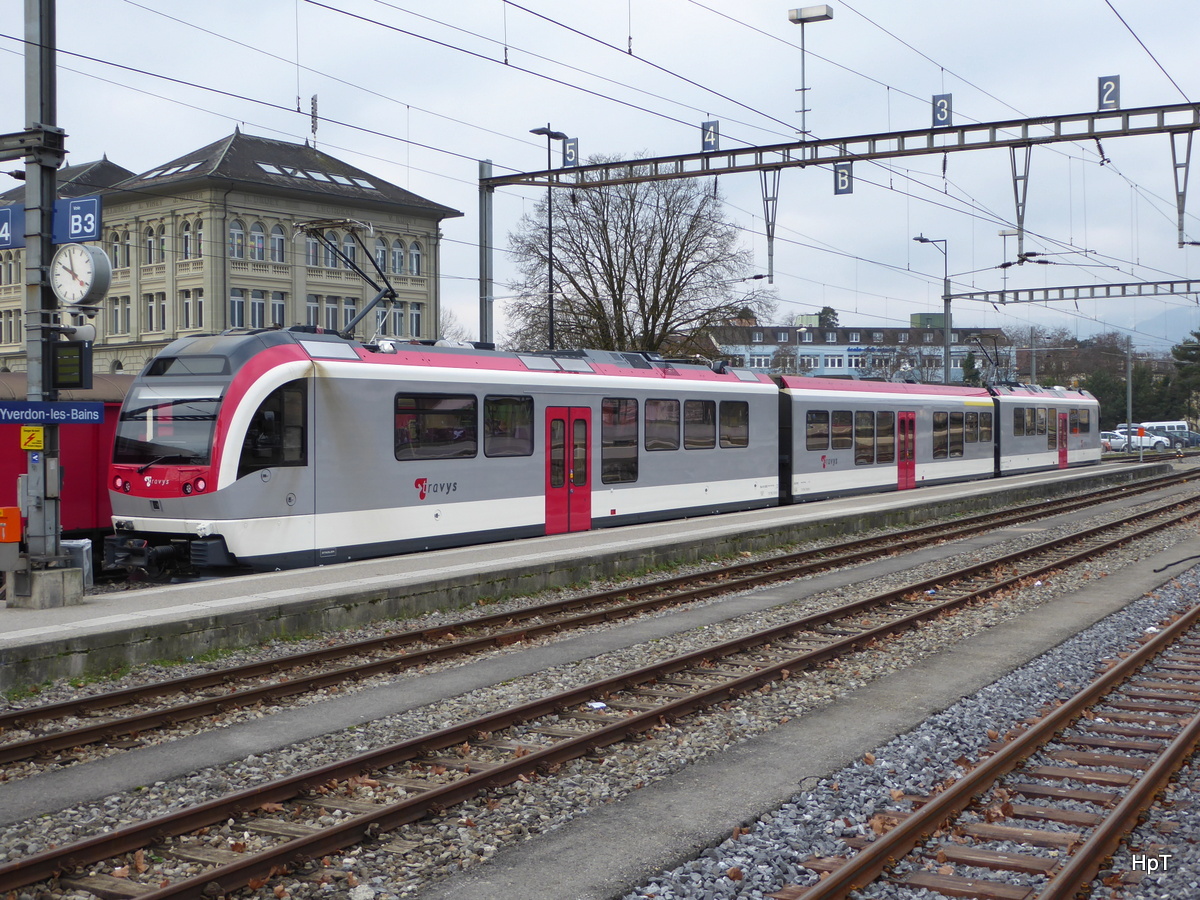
[281, 449]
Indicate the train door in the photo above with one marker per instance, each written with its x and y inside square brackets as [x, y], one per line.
[906, 450]
[568, 469]
[1062, 440]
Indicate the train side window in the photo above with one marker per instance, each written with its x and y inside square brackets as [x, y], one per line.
[278, 431]
[436, 426]
[508, 426]
[579, 451]
[817, 430]
[971, 428]
[618, 440]
[864, 438]
[735, 423]
[885, 437]
[941, 435]
[662, 424]
[985, 427]
[699, 424]
[842, 430]
[1018, 422]
[956, 434]
[1051, 429]
[1041, 421]
[1030, 421]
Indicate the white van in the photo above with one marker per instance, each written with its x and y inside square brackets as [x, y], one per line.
[1167, 426]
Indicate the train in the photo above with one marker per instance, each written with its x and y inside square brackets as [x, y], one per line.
[286, 448]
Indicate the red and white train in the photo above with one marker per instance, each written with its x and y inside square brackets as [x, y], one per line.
[278, 449]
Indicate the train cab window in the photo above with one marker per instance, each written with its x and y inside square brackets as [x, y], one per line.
[436, 426]
[864, 438]
[817, 430]
[277, 434]
[1018, 422]
[1041, 421]
[618, 440]
[699, 424]
[662, 425]
[941, 435]
[885, 437]
[842, 430]
[507, 426]
[1051, 429]
[735, 423]
[985, 428]
[971, 428]
[956, 434]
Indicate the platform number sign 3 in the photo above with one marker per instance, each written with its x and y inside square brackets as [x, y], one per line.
[943, 110]
[1109, 93]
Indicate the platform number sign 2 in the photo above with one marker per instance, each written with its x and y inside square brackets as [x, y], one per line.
[943, 110]
[710, 136]
[1109, 93]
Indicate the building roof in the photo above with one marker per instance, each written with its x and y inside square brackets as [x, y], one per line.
[260, 162]
[79, 181]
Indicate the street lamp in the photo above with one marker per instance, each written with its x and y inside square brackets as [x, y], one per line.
[800, 17]
[550, 135]
[921, 239]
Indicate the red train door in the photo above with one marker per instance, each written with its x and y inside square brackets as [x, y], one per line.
[568, 469]
[1062, 440]
[906, 450]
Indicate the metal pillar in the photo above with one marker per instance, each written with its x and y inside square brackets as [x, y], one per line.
[486, 258]
[1179, 165]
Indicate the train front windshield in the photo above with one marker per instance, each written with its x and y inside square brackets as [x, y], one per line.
[167, 424]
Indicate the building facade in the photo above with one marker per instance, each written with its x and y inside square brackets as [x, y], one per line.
[807, 348]
[246, 233]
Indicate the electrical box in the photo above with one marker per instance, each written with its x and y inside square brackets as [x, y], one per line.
[10, 524]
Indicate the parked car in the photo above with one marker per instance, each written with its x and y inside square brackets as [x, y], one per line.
[1112, 440]
[1148, 441]
[1174, 439]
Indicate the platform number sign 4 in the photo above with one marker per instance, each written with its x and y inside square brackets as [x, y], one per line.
[6, 227]
[943, 110]
[1109, 93]
[710, 136]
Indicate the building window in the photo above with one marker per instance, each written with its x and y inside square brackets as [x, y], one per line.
[258, 243]
[349, 311]
[927, 337]
[332, 310]
[854, 337]
[902, 338]
[155, 312]
[312, 251]
[199, 238]
[834, 362]
[278, 244]
[414, 319]
[148, 245]
[808, 361]
[349, 249]
[806, 337]
[781, 337]
[237, 308]
[312, 310]
[115, 252]
[278, 308]
[397, 257]
[759, 362]
[954, 337]
[381, 254]
[185, 241]
[831, 337]
[162, 243]
[237, 240]
[119, 320]
[185, 309]
[258, 309]
[331, 242]
[756, 337]
[858, 362]
[198, 298]
[414, 259]
[877, 337]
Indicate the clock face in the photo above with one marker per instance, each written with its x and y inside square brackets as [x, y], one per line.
[79, 274]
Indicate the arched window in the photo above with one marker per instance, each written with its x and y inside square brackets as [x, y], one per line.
[148, 245]
[278, 244]
[237, 240]
[312, 254]
[127, 253]
[114, 241]
[381, 253]
[199, 238]
[398, 257]
[414, 259]
[349, 248]
[162, 244]
[258, 242]
[331, 258]
[185, 240]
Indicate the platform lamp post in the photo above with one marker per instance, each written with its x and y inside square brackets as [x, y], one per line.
[551, 135]
[802, 17]
[921, 239]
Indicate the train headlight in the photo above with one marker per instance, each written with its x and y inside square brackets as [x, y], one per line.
[118, 482]
[201, 484]
[187, 488]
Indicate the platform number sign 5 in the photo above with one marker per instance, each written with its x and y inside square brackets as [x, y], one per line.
[943, 110]
[570, 149]
[1109, 93]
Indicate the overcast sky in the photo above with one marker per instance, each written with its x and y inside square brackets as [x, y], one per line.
[416, 91]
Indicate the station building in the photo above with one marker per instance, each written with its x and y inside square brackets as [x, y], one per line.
[226, 237]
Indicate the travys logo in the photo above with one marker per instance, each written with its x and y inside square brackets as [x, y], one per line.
[425, 487]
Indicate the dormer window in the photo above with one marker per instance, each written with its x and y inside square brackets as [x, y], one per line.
[756, 337]
[831, 337]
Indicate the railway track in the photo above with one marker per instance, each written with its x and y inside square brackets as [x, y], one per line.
[378, 793]
[1012, 828]
[170, 703]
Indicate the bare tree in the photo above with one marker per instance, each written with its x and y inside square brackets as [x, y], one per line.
[636, 266]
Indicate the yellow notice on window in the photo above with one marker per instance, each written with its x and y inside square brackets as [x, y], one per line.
[33, 437]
